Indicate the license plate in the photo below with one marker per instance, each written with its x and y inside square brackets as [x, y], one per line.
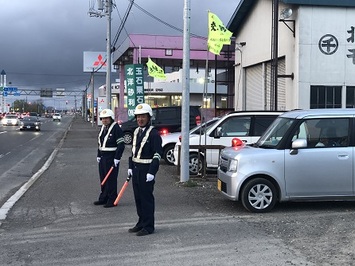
[219, 185]
[28, 127]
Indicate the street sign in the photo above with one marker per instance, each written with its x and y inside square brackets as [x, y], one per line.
[4, 93]
[16, 94]
[60, 92]
[10, 89]
[1, 88]
[46, 92]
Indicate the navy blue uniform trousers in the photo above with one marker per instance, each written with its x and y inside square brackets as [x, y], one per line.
[109, 189]
[143, 195]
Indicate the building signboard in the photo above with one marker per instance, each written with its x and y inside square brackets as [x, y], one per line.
[135, 87]
[95, 61]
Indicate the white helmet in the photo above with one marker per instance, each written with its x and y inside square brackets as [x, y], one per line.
[107, 113]
[143, 108]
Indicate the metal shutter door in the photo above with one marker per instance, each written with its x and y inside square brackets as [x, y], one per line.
[254, 88]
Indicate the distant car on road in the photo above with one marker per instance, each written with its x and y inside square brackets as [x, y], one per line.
[30, 123]
[57, 117]
[33, 114]
[10, 120]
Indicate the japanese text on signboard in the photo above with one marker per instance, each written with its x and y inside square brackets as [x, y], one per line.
[135, 87]
[328, 44]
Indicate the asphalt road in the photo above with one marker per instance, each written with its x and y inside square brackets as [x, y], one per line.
[55, 222]
[23, 153]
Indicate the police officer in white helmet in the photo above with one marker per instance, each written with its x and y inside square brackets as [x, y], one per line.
[109, 153]
[143, 167]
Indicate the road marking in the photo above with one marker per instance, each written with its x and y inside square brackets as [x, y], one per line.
[2, 132]
[5, 208]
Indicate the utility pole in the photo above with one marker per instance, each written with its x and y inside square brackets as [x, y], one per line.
[274, 55]
[3, 85]
[185, 115]
[108, 53]
[107, 13]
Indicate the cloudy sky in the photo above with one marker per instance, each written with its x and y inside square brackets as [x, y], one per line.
[42, 41]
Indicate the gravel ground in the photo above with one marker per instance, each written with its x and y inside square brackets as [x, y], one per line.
[324, 232]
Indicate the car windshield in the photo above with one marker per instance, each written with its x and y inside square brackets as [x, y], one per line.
[29, 118]
[274, 134]
[57, 114]
[201, 129]
[11, 117]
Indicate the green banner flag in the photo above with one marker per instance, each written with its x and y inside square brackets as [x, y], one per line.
[218, 35]
[154, 70]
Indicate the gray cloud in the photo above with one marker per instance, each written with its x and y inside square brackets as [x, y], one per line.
[42, 42]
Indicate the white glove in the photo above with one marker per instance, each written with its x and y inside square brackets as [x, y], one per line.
[98, 159]
[130, 172]
[150, 177]
[116, 162]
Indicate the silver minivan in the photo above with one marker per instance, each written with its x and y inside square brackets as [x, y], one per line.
[303, 155]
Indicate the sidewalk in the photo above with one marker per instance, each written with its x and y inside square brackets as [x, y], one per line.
[56, 223]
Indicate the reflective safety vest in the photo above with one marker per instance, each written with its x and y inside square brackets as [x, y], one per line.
[103, 146]
[144, 140]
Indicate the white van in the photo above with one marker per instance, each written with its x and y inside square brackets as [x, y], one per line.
[304, 155]
[246, 125]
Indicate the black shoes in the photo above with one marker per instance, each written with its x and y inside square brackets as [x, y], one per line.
[134, 229]
[142, 232]
[139, 231]
[109, 205]
[105, 203]
[99, 202]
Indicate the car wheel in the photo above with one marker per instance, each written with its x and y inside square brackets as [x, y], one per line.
[168, 154]
[259, 195]
[195, 165]
[127, 138]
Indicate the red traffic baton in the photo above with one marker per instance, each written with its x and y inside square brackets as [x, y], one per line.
[107, 175]
[119, 196]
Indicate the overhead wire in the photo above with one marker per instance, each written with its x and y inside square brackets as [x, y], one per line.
[123, 21]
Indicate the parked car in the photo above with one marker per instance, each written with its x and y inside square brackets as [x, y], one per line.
[165, 119]
[304, 155]
[57, 117]
[246, 125]
[30, 123]
[10, 120]
[169, 140]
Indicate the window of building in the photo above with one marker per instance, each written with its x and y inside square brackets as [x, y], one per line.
[350, 97]
[325, 97]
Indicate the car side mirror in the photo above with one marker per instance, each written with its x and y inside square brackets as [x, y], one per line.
[218, 132]
[298, 144]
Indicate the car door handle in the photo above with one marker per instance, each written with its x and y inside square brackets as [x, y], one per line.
[343, 156]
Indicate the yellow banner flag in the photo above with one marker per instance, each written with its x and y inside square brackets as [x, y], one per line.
[154, 70]
[218, 35]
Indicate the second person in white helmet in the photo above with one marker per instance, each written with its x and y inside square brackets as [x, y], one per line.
[143, 167]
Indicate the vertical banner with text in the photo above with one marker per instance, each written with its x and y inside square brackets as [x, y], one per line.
[135, 87]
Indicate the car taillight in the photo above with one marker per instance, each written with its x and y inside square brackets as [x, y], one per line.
[198, 120]
[237, 142]
[163, 131]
